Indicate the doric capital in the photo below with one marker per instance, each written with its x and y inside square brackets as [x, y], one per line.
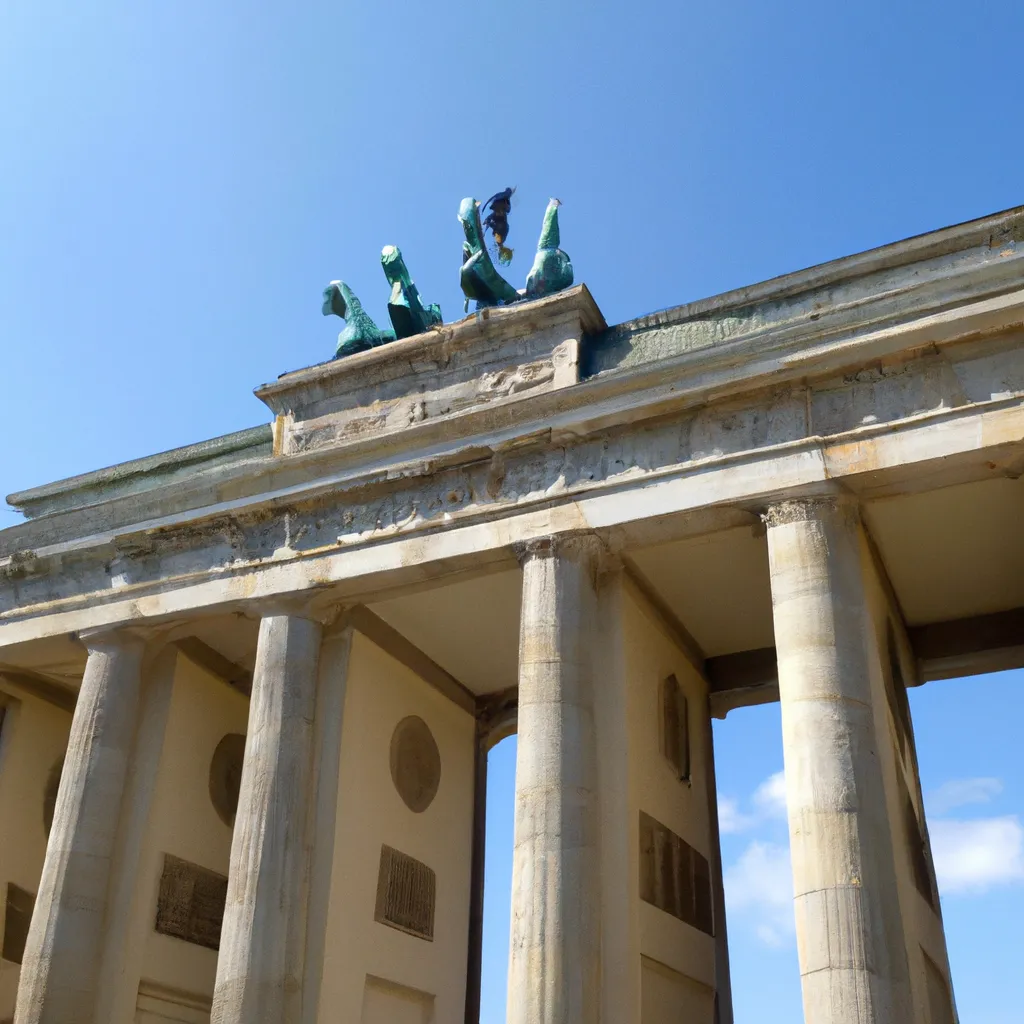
[114, 638]
[317, 607]
[573, 546]
[800, 510]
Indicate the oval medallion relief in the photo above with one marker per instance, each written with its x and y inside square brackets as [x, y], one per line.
[415, 763]
[226, 776]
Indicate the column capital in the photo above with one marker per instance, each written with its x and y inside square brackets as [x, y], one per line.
[317, 607]
[101, 638]
[583, 546]
[800, 510]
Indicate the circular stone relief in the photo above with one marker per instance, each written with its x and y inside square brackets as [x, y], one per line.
[415, 763]
[50, 794]
[226, 776]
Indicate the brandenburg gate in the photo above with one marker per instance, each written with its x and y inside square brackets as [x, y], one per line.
[248, 687]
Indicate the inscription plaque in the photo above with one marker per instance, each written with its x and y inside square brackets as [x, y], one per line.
[674, 877]
[406, 889]
[191, 902]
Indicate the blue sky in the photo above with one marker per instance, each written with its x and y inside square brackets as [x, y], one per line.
[970, 767]
[178, 182]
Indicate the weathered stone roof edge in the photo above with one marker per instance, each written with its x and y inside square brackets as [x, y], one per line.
[46, 498]
[95, 487]
[927, 245]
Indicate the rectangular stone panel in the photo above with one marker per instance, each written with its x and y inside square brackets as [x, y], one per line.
[406, 890]
[161, 1004]
[190, 905]
[899, 704]
[675, 726]
[674, 877]
[668, 997]
[917, 845]
[387, 1002]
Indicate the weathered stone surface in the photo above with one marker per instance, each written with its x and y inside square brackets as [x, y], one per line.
[836, 429]
[554, 966]
[893, 375]
[168, 468]
[850, 936]
[190, 904]
[61, 963]
[260, 968]
[881, 287]
[494, 356]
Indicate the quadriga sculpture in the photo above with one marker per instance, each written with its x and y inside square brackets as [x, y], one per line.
[552, 269]
[480, 281]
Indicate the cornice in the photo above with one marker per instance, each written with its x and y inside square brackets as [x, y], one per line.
[538, 422]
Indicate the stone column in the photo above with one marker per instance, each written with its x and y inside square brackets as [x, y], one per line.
[554, 974]
[850, 937]
[61, 965]
[128, 925]
[260, 969]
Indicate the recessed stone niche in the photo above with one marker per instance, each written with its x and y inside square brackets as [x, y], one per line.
[415, 763]
[226, 776]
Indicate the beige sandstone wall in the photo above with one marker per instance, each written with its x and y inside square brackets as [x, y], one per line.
[677, 960]
[183, 823]
[374, 973]
[33, 739]
[921, 923]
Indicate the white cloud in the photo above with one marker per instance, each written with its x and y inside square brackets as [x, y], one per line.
[772, 935]
[730, 818]
[972, 856]
[960, 792]
[770, 796]
[769, 801]
[761, 877]
[760, 884]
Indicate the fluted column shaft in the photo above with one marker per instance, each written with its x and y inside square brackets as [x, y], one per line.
[61, 964]
[554, 952]
[850, 937]
[260, 967]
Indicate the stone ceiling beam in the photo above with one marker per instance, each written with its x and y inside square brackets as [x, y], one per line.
[944, 650]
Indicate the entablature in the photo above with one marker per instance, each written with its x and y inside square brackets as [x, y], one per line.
[360, 492]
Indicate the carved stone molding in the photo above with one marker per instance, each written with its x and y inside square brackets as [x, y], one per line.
[117, 638]
[574, 546]
[152, 644]
[799, 510]
[317, 607]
